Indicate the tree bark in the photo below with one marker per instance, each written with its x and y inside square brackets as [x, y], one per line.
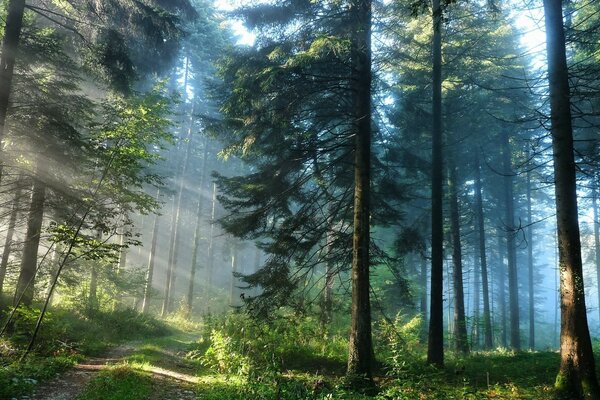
[596, 242]
[194, 266]
[10, 45]
[360, 349]
[25, 284]
[176, 221]
[435, 348]
[577, 374]
[530, 266]
[502, 292]
[460, 323]
[151, 261]
[488, 342]
[511, 254]
[10, 233]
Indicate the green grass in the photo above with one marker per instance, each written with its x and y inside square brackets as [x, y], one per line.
[118, 383]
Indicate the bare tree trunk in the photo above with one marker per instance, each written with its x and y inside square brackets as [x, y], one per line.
[596, 242]
[513, 284]
[194, 266]
[476, 327]
[10, 233]
[577, 374]
[488, 342]
[460, 323]
[25, 285]
[232, 296]
[176, 221]
[151, 261]
[93, 294]
[502, 292]
[360, 349]
[435, 349]
[10, 45]
[530, 266]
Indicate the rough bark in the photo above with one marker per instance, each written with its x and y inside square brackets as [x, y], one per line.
[10, 45]
[360, 349]
[577, 374]
[25, 285]
[487, 316]
[435, 347]
[511, 253]
[460, 323]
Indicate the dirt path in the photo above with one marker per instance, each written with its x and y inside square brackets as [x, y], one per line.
[70, 384]
[172, 375]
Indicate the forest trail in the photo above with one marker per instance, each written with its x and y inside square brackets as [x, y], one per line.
[162, 359]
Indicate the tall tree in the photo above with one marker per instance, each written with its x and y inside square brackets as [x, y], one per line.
[360, 353]
[577, 374]
[435, 349]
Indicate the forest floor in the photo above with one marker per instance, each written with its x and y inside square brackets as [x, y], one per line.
[153, 369]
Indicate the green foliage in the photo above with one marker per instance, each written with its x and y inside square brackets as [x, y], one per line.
[118, 383]
[18, 379]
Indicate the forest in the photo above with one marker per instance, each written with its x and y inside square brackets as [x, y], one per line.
[299, 199]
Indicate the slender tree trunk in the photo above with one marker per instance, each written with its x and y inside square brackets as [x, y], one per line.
[423, 279]
[460, 323]
[25, 284]
[476, 329]
[10, 45]
[513, 284]
[10, 233]
[596, 242]
[197, 236]
[360, 350]
[93, 294]
[435, 349]
[488, 342]
[176, 221]
[530, 266]
[577, 375]
[151, 261]
[502, 292]
[234, 264]
[211, 239]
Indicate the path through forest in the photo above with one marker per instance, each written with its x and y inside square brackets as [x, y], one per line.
[162, 359]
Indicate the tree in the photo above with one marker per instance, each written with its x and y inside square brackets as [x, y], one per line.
[360, 353]
[577, 374]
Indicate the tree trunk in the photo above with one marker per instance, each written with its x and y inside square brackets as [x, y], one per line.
[488, 342]
[10, 45]
[232, 296]
[513, 284]
[423, 301]
[577, 375]
[530, 265]
[93, 294]
[502, 292]
[435, 349]
[10, 233]
[596, 242]
[151, 261]
[194, 266]
[476, 327]
[176, 221]
[460, 323]
[360, 349]
[25, 285]
[211, 239]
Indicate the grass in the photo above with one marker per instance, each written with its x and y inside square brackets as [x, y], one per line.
[119, 383]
